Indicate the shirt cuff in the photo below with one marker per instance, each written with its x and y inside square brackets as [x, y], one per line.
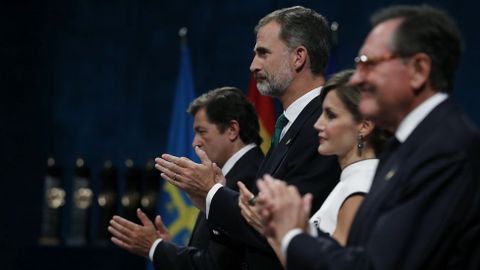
[287, 238]
[153, 247]
[210, 195]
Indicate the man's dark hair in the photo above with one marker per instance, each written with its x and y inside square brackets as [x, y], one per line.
[303, 26]
[424, 29]
[222, 105]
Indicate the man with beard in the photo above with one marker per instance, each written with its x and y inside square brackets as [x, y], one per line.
[291, 54]
[423, 209]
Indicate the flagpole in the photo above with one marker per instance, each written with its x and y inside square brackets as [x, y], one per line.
[182, 33]
[332, 61]
[334, 27]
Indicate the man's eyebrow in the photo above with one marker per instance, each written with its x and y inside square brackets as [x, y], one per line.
[261, 50]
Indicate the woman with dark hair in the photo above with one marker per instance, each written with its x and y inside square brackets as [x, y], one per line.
[356, 141]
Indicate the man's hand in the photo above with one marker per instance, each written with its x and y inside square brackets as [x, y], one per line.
[253, 217]
[219, 177]
[162, 231]
[136, 238]
[281, 207]
[248, 211]
[195, 179]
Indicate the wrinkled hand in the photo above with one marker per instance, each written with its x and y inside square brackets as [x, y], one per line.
[281, 207]
[136, 238]
[250, 213]
[219, 177]
[195, 179]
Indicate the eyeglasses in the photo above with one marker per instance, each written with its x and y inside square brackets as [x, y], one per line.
[364, 62]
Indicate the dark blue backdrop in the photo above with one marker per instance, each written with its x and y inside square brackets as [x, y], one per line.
[95, 79]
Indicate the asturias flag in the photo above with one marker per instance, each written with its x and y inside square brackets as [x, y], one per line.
[173, 205]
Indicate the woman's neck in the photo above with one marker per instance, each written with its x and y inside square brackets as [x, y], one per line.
[355, 155]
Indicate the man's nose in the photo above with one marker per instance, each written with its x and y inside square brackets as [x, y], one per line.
[196, 141]
[255, 65]
[357, 77]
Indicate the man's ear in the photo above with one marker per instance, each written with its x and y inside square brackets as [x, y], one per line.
[233, 130]
[420, 68]
[300, 57]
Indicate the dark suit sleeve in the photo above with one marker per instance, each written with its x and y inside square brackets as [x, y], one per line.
[306, 252]
[226, 216]
[418, 226]
[202, 253]
[172, 257]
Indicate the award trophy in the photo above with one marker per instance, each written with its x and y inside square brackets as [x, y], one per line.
[131, 197]
[53, 202]
[107, 201]
[81, 205]
[150, 190]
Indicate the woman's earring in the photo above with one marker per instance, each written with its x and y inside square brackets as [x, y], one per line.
[360, 144]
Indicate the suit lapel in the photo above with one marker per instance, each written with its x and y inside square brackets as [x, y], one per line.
[389, 178]
[275, 156]
[239, 169]
[388, 172]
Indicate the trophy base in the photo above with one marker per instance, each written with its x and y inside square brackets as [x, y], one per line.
[49, 241]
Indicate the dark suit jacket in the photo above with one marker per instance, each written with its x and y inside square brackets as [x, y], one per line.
[202, 252]
[295, 160]
[423, 210]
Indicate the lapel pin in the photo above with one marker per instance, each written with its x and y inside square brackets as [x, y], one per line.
[389, 175]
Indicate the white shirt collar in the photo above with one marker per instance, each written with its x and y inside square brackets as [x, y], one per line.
[416, 116]
[235, 157]
[292, 112]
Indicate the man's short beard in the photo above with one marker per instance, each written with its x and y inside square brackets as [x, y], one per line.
[275, 85]
[266, 88]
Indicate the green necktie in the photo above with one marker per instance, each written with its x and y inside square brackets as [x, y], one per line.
[279, 125]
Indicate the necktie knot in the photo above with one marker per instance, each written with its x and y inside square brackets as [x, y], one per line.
[279, 125]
